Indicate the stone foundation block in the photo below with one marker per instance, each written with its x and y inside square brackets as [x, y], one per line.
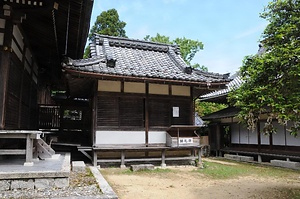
[286, 164]
[78, 166]
[22, 184]
[232, 157]
[246, 158]
[61, 182]
[140, 167]
[43, 183]
[5, 185]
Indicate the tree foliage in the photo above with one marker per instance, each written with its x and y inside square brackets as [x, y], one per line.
[272, 78]
[188, 47]
[205, 108]
[107, 23]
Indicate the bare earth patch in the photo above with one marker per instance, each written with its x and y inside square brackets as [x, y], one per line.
[186, 182]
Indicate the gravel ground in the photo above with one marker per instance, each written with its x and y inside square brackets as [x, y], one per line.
[82, 185]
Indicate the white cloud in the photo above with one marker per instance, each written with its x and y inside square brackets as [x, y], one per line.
[254, 30]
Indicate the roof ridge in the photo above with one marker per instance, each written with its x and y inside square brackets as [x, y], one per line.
[133, 43]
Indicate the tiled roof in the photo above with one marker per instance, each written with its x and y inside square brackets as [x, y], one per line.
[235, 83]
[135, 58]
[224, 113]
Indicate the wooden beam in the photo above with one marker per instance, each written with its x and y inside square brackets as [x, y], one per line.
[4, 68]
[94, 111]
[258, 136]
[147, 114]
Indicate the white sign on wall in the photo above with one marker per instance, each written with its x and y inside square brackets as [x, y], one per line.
[175, 111]
[185, 141]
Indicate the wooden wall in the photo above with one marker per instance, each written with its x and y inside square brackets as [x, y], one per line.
[18, 107]
[132, 109]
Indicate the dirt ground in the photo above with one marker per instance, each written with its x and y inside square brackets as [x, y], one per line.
[185, 184]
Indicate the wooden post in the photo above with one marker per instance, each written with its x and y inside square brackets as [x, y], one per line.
[177, 137]
[199, 164]
[95, 158]
[271, 140]
[123, 166]
[218, 136]
[147, 115]
[29, 147]
[163, 158]
[4, 68]
[258, 136]
[94, 112]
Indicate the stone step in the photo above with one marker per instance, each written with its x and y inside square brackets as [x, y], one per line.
[139, 167]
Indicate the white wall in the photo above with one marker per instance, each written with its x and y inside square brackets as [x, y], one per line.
[278, 137]
[244, 134]
[235, 133]
[253, 137]
[129, 137]
[264, 138]
[291, 140]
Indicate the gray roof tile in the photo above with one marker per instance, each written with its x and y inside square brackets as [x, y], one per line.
[139, 59]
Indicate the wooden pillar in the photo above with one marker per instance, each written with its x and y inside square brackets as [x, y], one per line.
[192, 112]
[163, 158]
[4, 67]
[147, 115]
[271, 140]
[94, 112]
[95, 158]
[258, 136]
[218, 138]
[123, 160]
[199, 164]
[29, 147]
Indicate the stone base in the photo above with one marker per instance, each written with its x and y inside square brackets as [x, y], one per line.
[140, 167]
[239, 158]
[286, 164]
[78, 166]
[42, 183]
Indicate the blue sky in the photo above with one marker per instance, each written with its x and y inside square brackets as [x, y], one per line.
[229, 29]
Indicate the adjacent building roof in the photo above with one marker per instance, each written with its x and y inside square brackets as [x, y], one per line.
[220, 95]
[123, 57]
[224, 113]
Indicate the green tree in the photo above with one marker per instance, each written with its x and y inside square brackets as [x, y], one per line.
[107, 23]
[272, 78]
[205, 108]
[188, 47]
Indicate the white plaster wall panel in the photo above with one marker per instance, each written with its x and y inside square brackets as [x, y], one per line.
[35, 68]
[134, 87]
[18, 36]
[16, 50]
[120, 137]
[28, 55]
[253, 137]
[109, 86]
[264, 138]
[278, 137]
[1, 38]
[27, 67]
[244, 133]
[290, 139]
[2, 23]
[34, 79]
[235, 133]
[159, 89]
[181, 90]
[157, 137]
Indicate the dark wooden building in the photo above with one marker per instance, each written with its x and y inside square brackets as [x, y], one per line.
[228, 135]
[137, 89]
[34, 37]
